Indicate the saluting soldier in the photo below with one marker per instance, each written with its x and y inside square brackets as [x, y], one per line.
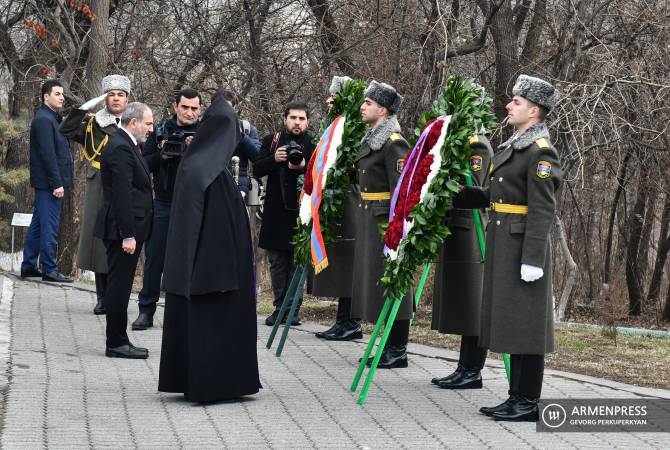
[336, 279]
[379, 164]
[457, 296]
[517, 307]
[93, 131]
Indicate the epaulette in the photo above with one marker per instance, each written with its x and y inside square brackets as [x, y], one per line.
[395, 136]
[542, 143]
[474, 139]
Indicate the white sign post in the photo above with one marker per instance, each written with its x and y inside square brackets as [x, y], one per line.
[19, 220]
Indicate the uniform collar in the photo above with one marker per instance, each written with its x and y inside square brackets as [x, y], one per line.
[532, 134]
[377, 137]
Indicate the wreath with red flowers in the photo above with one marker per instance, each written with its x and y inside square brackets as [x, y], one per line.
[432, 175]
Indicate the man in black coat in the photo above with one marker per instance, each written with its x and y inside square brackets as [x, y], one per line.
[280, 211]
[124, 221]
[51, 169]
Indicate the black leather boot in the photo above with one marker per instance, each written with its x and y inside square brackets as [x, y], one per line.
[467, 379]
[489, 410]
[518, 409]
[347, 331]
[393, 357]
[99, 308]
[143, 322]
[456, 372]
[334, 328]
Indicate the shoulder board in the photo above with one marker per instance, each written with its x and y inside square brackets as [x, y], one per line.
[542, 143]
[474, 139]
[395, 136]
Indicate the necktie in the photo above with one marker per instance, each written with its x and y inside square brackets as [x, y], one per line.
[138, 149]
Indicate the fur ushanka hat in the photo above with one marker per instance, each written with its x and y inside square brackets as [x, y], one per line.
[336, 84]
[385, 95]
[536, 90]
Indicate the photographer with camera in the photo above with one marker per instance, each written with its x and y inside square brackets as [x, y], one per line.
[162, 153]
[283, 158]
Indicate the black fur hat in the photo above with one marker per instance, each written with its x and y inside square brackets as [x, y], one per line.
[536, 90]
[385, 95]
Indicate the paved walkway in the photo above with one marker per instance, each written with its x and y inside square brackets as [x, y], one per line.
[61, 392]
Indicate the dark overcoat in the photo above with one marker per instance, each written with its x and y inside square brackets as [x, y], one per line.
[378, 172]
[517, 316]
[51, 164]
[92, 131]
[459, 271]
[336, 279]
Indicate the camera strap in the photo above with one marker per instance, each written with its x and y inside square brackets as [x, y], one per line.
[275, 143]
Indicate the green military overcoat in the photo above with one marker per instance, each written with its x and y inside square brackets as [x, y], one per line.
[457, 296]
[336, 279]
[378, 165]
[517, 316]
[92, 132]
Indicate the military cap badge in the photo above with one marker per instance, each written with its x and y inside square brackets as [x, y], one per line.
[544, 169]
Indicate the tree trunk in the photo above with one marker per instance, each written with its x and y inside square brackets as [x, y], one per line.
[506, 59]
[635, 223]
[661, 254]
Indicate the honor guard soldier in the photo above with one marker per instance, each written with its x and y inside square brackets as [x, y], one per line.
[517, 304]
[379, 164]
[336, 279]
[92, 132]
[457, 296]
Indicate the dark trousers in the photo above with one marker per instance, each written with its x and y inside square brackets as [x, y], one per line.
[120, 275]
[281, 270]
[42, 233]
[154, 253]
[343, 309]
[472, 357]
[100, 285]
[526, 373]
[399, 335]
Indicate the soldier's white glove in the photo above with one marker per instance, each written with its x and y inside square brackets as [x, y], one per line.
[531, 273]
[91, 103]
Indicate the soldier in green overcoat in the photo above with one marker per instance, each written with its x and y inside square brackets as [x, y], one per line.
[459, 272]
[378, 165]
[336, 279]
[517, 303]
[92, 131]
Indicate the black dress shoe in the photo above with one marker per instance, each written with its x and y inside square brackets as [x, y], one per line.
[128, 351]
[30, 273]
[56, 277]
[99, 308]
[518, 409]
[456, 372]
[489, 410]
[467, 379]
[272, 318]
[331, 330]
[348, 331]
[143, 322]
[392, 358]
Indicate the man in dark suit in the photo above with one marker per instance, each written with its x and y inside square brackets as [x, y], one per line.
[124, 221]
[51, 175]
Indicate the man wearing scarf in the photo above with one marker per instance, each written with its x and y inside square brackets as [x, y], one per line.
[92, 132]
[209, 325]
[517, 303]
[379, 164]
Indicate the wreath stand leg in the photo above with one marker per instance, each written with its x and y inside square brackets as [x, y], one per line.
[282, 311]
[419, 289]
[292, 311]
[380, 348]
[482, 246]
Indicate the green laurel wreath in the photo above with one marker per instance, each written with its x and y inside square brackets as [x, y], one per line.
[342, 175]
[470, 110]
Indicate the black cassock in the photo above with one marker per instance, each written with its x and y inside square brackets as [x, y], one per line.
[209, 326]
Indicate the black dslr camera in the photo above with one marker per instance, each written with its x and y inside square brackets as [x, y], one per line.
[294, 151]
[175, 143]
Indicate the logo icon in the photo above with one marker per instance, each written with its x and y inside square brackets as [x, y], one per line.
[554, 415]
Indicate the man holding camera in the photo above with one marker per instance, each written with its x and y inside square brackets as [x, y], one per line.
[162, 153]
[283, 158]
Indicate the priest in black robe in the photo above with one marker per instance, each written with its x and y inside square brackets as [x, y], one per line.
[209, 326]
